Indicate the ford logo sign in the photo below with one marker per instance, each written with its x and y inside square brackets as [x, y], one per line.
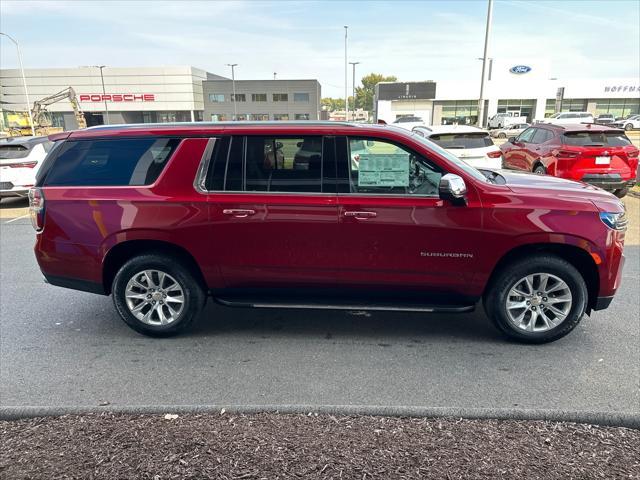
[520, 69]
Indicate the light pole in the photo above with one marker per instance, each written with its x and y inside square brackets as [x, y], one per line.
[484, 63]
[354, 84]
[24, 82]
[346, 67]
[104, 93]
[233, 83]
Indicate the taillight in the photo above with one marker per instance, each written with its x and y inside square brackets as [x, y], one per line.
[568, 154]
[36, 208]
[496, 154]
[22, 165]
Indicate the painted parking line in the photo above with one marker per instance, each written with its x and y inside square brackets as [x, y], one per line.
[17, 218]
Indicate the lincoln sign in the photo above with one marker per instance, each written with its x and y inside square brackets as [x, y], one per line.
[117, 97]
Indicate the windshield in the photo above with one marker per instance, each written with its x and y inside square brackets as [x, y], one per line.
[462, 140]
[600, 139]
[452, 158]
[555, 115]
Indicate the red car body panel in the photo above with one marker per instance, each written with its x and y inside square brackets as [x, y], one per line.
[305, 240]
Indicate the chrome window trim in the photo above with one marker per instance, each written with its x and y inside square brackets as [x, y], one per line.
[199, 183]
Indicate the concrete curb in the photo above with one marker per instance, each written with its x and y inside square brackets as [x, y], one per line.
[612, 419]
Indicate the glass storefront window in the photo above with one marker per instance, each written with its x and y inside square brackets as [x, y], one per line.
[281, 116]
[460, 112]
[302, 116]
[259, 117]
[219, 117]
[618, 107]
[518, 107]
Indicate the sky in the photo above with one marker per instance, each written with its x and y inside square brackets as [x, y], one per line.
[413, 40]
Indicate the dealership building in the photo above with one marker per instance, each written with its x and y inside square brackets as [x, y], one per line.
[519, 87]
[130, 95]
[261, 100]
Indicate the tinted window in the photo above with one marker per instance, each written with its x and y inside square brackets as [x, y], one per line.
[283, 164]
[114, 162]
[233, 172]
[541, 135]
[381, 167]
[14, 151]
[462, 140]
[583, 139]
[218, 164]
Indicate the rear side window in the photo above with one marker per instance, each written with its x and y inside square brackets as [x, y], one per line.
[596, 139]
[541, 136]
[462, 140]
[283, 164]
[111, 162]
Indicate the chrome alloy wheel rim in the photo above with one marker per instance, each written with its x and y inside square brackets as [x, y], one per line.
[154, 297]
[538, 302]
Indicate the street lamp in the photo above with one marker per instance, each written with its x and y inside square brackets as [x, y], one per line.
[233, 83]
[354, 84]
[104, 93]
[484, 63]
[346, 97]
[24, 82]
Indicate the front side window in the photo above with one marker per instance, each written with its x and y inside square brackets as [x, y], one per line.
[300, 97]
[527, 135]
[280, 97]
[112, 162]
[216, 97]
[381, 167]
[258, 97]
[283, 164]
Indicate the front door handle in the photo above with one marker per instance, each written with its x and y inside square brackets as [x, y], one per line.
[360, 215]
[238, 212]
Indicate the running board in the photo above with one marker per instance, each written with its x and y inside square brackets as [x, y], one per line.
[398, 307]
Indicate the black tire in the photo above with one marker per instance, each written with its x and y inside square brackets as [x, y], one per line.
[622, 192]
[502, 135]
[496, 297]
[499, 125]
[193, 293]
[539, 170]
[628, 126]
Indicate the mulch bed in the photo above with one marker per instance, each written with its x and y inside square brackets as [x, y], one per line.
[272, 446]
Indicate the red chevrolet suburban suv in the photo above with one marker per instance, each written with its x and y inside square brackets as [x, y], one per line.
[317, 215]
[595, 154]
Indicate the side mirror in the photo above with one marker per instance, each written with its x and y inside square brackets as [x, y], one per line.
[453, 189]
[511, 139]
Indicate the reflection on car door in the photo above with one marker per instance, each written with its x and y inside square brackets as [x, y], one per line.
[396, 234]
[516, 157]
[274, 217]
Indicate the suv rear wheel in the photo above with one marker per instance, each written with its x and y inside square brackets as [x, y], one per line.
[622, 192]
[157, 295]
[537, 300]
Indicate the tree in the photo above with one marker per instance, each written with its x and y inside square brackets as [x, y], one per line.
[364, 94]
[334, 104]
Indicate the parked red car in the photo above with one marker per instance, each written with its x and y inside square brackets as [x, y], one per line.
[595, 154]
[162, 216]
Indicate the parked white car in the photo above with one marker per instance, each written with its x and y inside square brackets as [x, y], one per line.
[20, 160]
[470, 144]
[629, 123]
[408, 122]
[503, 120]
[566, 118]
[512, 131]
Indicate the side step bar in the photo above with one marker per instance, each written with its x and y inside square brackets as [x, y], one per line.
[263, 303]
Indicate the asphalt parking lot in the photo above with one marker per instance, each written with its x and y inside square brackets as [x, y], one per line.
[64, 348]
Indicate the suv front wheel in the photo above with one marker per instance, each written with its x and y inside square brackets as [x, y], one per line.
[537, 300]
[157, 295]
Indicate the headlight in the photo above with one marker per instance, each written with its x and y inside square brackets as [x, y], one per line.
[615, 221]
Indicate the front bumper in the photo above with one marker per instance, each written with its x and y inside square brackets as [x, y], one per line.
[607, 181]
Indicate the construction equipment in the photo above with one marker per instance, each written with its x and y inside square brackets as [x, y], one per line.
[42, 118]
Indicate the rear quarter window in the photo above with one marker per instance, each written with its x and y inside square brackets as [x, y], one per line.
[111, 162]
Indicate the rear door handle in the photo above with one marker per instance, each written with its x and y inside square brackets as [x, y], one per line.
[238, 212]
[360, 215]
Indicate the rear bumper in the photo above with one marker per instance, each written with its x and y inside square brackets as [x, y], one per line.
[75, 284]
[607, 181]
